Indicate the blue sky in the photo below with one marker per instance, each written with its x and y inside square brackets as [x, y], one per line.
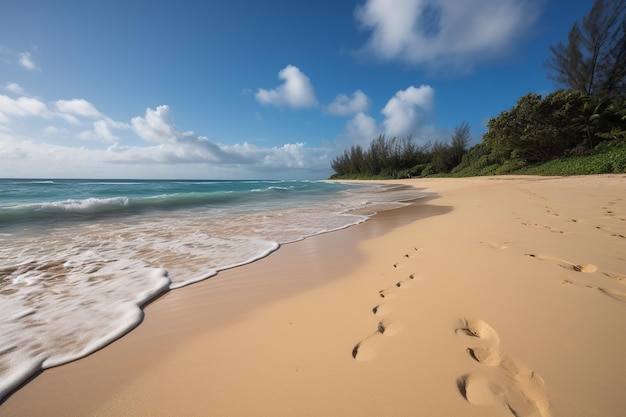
[245, 89]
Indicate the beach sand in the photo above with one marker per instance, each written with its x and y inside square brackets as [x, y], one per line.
[495, 296]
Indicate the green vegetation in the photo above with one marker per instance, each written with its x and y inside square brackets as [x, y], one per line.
[401, 157]
[593, 60]
[565, 133]
[580, 129]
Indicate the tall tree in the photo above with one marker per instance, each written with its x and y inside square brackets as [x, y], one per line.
[458, 143]
[594, 59]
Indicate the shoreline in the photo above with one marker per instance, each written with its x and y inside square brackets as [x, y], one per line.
[511, 282]
[169, 314]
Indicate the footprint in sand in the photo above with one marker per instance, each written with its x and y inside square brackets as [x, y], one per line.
[405, 283]
[381, 310]
[614, 294]
[391, 291]
[571, 266]
[504, 381]
[500, 246]
[609, 292]
[612, 233]
[550, 210]
[412, 254]
[486, 340]
[620, 278]
[543, 227]
[367, 349]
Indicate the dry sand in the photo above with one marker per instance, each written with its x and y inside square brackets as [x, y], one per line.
[501, 296]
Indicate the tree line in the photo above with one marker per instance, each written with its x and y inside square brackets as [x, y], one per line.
[586, 115]
[402, 157]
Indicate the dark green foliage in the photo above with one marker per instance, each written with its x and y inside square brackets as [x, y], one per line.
[478, 161]
[446, 156]
[606, 158]
[594, 59]
[391, 158]
[401, 157]
[586, 130]
[537, 130]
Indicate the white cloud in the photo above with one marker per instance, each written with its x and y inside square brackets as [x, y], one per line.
[28, 157]
[78, 107]
[103, 130]
[290, 155]
[361, 129]
[344, 105]
[445, 32]
[72, 111]
[14, 88]
[157, 125]
[175, 146]
[27, 61]
[407, 110]
[150, 146]
[22, 107]
[296, 91]
[52, 130]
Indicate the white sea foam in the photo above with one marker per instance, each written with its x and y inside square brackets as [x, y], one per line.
[56, 318]
[72, 205]
[71, 290]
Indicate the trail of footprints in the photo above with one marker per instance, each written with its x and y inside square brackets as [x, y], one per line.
[609, 211]
[614, 293]
[504, 380]
[367, 348]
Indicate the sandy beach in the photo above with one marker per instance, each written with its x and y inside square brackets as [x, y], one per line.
[494, 296]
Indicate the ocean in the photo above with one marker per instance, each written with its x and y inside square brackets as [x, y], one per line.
[79, 258]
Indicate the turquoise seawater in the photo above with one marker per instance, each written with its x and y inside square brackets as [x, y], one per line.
[78, 258]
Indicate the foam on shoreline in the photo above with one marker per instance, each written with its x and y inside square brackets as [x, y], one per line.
[70, 288]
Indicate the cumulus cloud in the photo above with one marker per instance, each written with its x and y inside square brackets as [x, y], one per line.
[73, 111]
[22, 107]
[173, 147]
[290, 155]
[52, 130]
[445, 32]
[31, 157]
[361, 129]
[344, 105]
[104, 130]
[78, 107]
[407, 109]
[27, 61]
[408, 112]
[158, 126]
[296, 90]
[14, 88]
[150, 145]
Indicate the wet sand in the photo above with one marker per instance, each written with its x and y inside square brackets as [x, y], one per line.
[494, 296]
